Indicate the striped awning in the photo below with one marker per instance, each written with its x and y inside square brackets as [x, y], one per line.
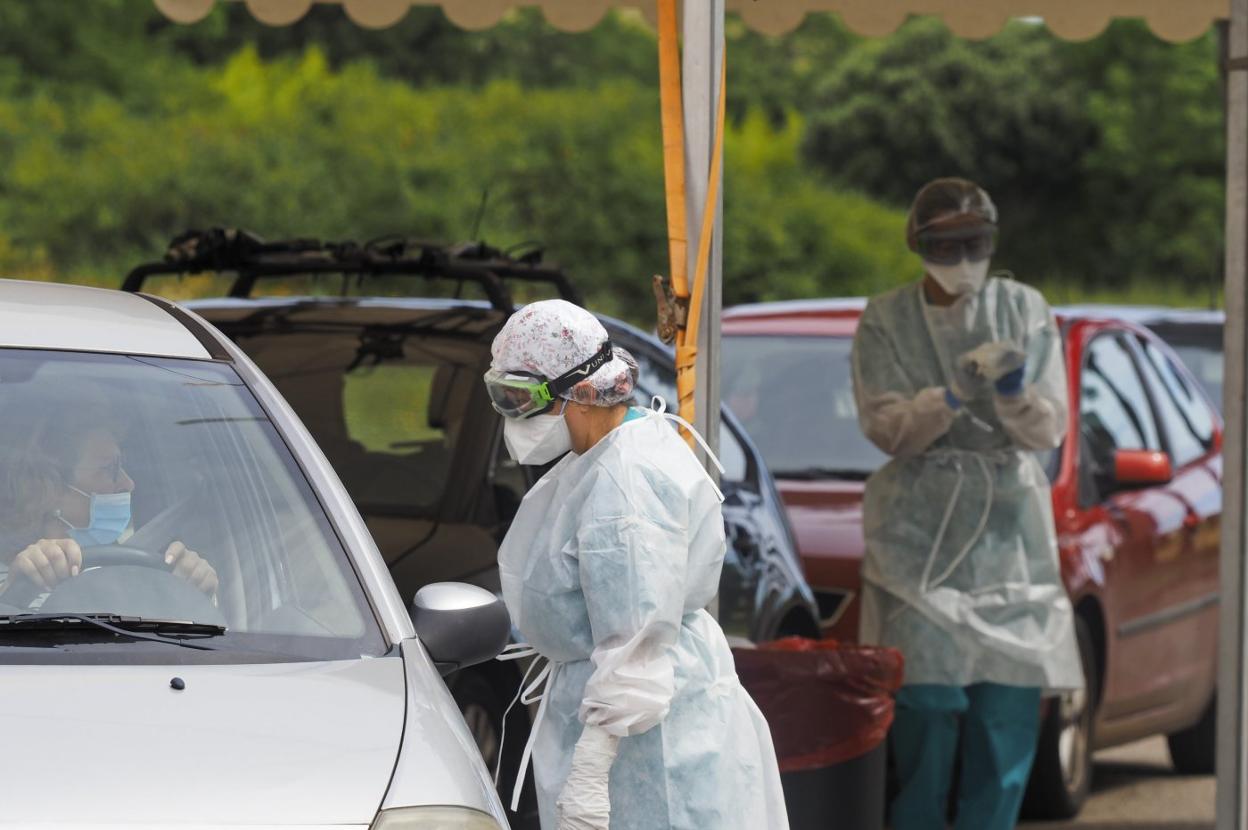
[1174, 20]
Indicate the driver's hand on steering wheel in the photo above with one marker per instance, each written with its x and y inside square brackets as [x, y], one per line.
[49, 562]
[192, 567]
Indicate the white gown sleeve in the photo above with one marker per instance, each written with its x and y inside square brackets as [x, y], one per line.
[896, 417]
[1036, 418]
[632, 550]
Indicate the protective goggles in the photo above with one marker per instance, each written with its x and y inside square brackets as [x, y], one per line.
[523, 394]
[952, 246]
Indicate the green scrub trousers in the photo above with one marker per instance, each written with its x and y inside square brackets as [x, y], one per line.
[998, 726]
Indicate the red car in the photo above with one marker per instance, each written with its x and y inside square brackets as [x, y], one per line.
[1137, 499]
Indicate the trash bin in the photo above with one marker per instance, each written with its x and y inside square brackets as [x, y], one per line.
[829, 706]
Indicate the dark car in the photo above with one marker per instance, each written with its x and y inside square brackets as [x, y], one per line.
[390, 387]
[1137, 501]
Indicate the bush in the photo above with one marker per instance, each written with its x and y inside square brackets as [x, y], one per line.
[295, 148]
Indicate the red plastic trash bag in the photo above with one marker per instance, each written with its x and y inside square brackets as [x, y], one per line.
[826, 703]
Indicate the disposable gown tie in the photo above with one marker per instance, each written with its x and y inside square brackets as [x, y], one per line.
[605, 571]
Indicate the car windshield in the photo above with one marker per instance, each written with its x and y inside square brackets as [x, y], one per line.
[170, 483]
[795, 396]
[796, 399]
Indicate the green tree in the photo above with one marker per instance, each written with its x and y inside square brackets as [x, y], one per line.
[922, 104]
[426, 49]
[778, 75]
[1155, 177]
[788, 236]
[293, 147]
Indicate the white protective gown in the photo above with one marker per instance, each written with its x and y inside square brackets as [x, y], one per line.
[606, 571]
[961, 569]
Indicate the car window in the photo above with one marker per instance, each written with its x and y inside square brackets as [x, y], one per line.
[795, 397]
[204, 470]
[1199, 347]
[1113, 402]
[387, 410]
[1114, 413]
[657, 379]
[1188, 424]
[1207, 364]
[732, 456]
[508, 483]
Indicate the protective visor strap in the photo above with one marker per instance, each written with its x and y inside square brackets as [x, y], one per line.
[571, 378]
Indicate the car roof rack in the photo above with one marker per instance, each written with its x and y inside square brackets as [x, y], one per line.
[233, 250]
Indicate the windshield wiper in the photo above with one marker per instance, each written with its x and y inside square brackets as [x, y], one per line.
[174, 632]
[819, 473]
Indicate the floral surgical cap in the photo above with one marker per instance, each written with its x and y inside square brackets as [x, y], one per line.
[551, 337]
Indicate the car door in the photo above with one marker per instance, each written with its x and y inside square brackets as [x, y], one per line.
[1188, 568]
[1142, 528]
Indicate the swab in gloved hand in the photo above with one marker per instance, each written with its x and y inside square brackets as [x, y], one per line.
[992, 361]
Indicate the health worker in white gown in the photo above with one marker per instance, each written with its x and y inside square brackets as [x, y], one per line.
[606, 570]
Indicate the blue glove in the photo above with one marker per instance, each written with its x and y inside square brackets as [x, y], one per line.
[952, 400]
[1010, 384]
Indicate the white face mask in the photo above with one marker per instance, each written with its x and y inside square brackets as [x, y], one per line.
[537, 440]
[964, 278]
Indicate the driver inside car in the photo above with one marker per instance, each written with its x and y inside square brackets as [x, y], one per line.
[67, 491]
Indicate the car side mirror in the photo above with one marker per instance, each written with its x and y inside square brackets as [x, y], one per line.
[460, 625]
[1140, 468]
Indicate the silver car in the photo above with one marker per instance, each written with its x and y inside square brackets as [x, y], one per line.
[196, 628]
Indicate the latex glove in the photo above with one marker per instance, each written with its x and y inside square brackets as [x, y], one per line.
[585, 803]
[966, 381]
[1010, 385]
[990, 362]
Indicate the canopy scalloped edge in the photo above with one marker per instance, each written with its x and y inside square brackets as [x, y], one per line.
[1173, 20]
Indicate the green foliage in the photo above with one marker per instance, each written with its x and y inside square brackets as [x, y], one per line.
[292, 147]
[1155, 177]
[1105, 157]
[778, 75]
[788, 236]
[425, 49]
[924, 104]
[119, 130]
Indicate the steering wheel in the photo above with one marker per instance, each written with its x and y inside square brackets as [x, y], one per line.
[22, 591]
[102, 556]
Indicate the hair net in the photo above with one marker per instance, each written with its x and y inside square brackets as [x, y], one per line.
[551, 337]
[944, 197]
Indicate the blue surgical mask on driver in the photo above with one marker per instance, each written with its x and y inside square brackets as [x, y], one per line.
[110, 516]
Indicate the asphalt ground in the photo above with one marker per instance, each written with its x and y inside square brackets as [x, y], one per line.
[1135, 788]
